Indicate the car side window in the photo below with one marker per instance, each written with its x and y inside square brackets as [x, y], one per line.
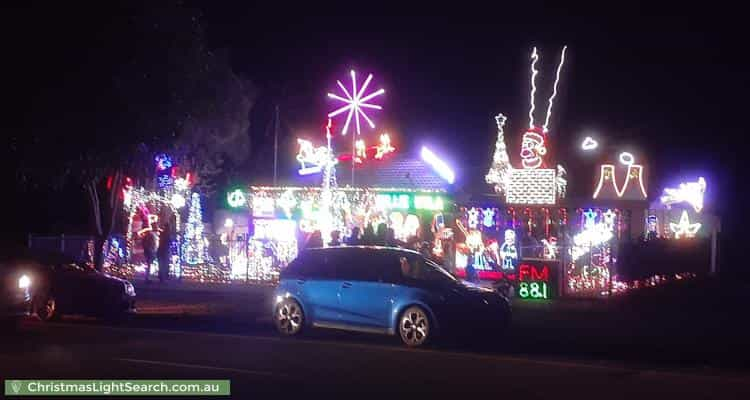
[389, 270]
[355, 265]
[319, 265]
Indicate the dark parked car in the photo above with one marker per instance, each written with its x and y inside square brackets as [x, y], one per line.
[383, 290]
[57, 285]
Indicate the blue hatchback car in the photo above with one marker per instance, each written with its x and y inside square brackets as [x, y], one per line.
[382, 290]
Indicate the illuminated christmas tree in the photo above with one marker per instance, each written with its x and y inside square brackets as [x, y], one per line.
[192, 247]
[498, 173]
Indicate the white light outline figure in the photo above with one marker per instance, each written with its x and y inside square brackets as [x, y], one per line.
[626, 158]
[589, 144]
[618, 191]
[355, 102]
[688, 192]
[554, 89]
[684, 227]
[534, 72]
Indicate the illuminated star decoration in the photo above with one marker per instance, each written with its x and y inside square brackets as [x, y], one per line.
[356, 101]
[589, 219]
[684, 227]
[690, 192]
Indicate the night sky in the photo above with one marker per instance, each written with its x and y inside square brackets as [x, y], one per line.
[666, 84]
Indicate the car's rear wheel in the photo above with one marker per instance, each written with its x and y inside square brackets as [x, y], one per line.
[45, 307]
[289, 317]
[414, 327]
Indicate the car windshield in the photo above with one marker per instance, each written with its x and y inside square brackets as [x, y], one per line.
[440, 270]
[422, 269]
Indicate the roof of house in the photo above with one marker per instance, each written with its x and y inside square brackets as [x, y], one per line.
[393, 172]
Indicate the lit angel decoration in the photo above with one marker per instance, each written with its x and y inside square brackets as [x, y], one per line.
[355, 103]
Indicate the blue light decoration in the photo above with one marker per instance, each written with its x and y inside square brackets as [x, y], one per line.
[589, 219]
[164, 180]
[164, 165]
[163, 162]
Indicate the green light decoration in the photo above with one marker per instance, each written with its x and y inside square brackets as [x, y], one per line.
[236, 199]
[533, 290]
[409, 201]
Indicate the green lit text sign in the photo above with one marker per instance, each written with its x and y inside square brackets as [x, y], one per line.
[533, 290]
[392, 201]
[406, 201]
[427, 202]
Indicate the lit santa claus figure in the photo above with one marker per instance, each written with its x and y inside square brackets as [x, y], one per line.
[533, 148]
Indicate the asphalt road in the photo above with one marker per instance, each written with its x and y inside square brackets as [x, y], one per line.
[261, 365]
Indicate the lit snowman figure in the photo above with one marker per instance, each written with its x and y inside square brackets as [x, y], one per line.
[508, 251]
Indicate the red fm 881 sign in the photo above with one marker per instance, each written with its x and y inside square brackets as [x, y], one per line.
[534, 281]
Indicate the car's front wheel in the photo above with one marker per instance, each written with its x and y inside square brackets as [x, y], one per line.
[414, 327]
[289, 317]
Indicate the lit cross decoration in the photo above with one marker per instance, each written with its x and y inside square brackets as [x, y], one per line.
[684, 228]
[690, 192]
[356, 101]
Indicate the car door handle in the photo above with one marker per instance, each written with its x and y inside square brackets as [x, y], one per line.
[346, 285]
[300, 281]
